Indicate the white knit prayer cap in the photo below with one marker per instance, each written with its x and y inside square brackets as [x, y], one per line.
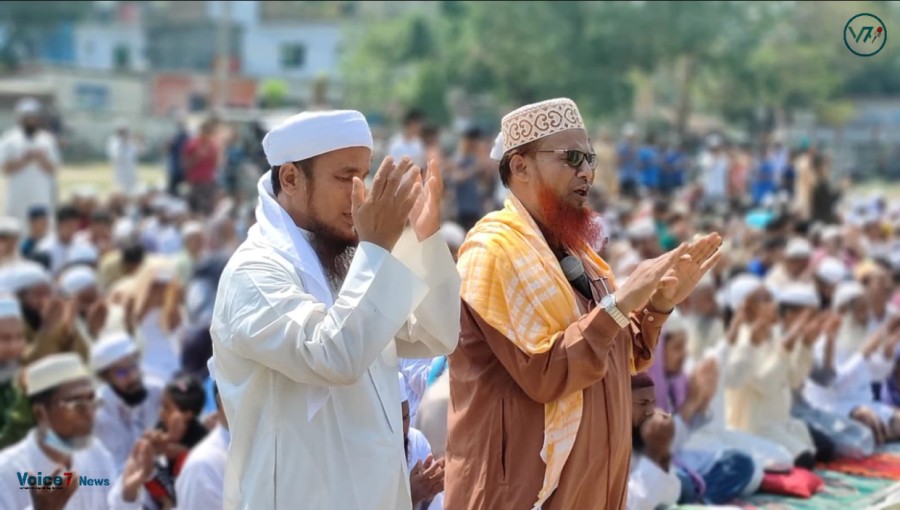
[76, 279]
[53, 371]
[110, 349]
[310, 134]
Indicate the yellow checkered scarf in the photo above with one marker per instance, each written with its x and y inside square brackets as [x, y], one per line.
[512, 279]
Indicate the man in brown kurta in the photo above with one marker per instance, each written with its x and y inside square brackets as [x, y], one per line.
[498, 392]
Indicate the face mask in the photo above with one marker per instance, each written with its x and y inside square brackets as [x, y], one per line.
[65, 447]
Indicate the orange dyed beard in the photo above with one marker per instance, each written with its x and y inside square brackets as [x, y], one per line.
[564, 225]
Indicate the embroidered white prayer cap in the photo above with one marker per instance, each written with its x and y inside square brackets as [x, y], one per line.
[53, 371]
[9, 307]
[404, 388]
[28, 106]
[832, 270]
[798, 248]
[846, 292]
[83, 253]
[191, 228]
[741, 287]
[310, 134]
[10, 227]
[110, 349]
[23, 275]
[539, 120]
[798, 294]
[76, 279]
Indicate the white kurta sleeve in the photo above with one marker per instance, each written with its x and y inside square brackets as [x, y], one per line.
[741, 360]
[801, 364]
[433, 329]
[116, 500]
[849, 371]
[416, 373]
[273, 322]
[199, 488]
[650, 487]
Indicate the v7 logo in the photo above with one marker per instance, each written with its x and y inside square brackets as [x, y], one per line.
[864, 30]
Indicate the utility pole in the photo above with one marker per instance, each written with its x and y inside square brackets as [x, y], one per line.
[223, 60]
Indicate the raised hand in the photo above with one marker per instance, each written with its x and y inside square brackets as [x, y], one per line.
[646, 278]
[96, 317]
[380, 215]
[139, 469]
[54, 499]
[426, 480]
[425, 216]
[702, 255]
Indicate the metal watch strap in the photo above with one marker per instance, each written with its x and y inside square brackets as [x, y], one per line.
[617, 315]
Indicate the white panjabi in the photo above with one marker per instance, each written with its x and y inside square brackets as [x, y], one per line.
[54, 370]
[310, 134]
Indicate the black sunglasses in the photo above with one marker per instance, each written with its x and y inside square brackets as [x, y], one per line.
[574, 158]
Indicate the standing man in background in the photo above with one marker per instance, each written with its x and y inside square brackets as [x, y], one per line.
[29, 158]
[201, 159]
[122, 151]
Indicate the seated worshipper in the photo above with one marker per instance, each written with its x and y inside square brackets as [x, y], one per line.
[129, 402]
[10, 232]
[431, 419]
[834, 435]
[829, 272]
[201, 483]
[702, 319]
[426, 474]
[38, 228]
[876, 279]
[858, 359]
[154, 316]
[761, 402]
[62, 447]
[688, 398]
[15, 413]
[540, 382]
[58, 244]
[652, 478]
[794, 267]
[49, 319]
[200, 296]
[715, 435]
[113, 265]
[193, 239]
[79, 283]
[177, 433]
[315, 308]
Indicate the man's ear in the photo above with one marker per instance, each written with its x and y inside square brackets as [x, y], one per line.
[518, 167]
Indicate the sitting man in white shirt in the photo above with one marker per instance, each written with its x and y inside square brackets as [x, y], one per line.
[201, 482]
[60, 451]
[426, 475]
[652, 482]
[129, 402]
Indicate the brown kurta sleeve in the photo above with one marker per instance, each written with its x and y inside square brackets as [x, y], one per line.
[577, 360]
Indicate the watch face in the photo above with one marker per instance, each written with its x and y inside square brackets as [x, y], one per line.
[607, 301]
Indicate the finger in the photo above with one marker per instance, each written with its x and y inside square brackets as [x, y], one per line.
[434, 175]
[708, 245]
[667, 282]
[408, 203]
[405, 164]
[381, 177]
[358, 196]
[710, 262]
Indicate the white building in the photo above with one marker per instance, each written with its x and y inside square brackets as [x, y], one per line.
[107, 47]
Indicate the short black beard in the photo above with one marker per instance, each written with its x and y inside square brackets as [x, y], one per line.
[133, 398]
[335, 253]
[32, 317]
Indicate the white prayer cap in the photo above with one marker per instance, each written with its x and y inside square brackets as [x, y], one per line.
[798, 248]
[28, 106]
[846, 292]
[53, 371]
[675, 323]
[706, 281]
[76, 279]
[539, 120]
[641, 229]
[110, 349]
[191, 228]
[798, 294]
[123, 230]
[10, 227]
[404, 388]
[741, 287]
[453, 234]
[9, 307]
[310, 134]
[83, 253]
[175, 207]
[832, 270]
[23, 275]
[831, 233]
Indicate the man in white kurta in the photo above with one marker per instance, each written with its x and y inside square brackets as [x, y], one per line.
[122, 150]
[307, 367]
[29, 159]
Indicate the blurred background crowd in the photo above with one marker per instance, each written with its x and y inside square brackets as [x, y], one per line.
[131, 156]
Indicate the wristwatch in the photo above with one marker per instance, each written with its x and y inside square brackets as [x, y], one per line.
[608, 304]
